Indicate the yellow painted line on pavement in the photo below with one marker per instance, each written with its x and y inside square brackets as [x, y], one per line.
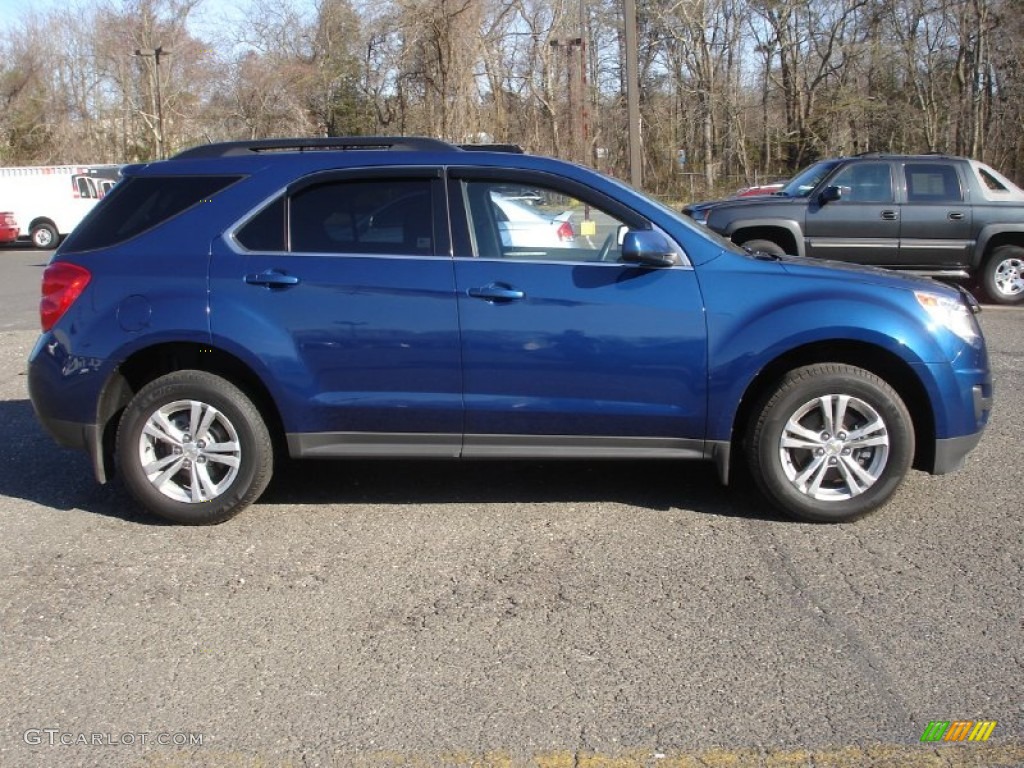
[960, 755]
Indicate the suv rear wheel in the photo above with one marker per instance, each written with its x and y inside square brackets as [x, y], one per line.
[831, 443]
[192, 448]
[1002, 277]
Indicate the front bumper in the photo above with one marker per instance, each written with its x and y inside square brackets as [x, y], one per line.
[951, 452]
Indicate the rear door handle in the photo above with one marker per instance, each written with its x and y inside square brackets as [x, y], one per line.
[890, 215]
[499, 292]
[271, 278]
[955, 216]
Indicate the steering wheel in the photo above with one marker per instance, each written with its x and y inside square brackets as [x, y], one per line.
[606, 248]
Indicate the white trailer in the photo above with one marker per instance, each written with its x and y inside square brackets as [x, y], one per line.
[48, 201]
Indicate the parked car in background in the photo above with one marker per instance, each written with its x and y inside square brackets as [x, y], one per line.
[367, 297]
[522, 226]
[799, 186]
[8, 227]
[933, 215]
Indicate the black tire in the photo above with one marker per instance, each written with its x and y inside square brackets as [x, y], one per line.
[44, 235]
[197, 485]
[765, 246]
[1002, 276]
[818, 473]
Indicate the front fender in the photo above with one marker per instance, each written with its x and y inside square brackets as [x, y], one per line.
[756, 317]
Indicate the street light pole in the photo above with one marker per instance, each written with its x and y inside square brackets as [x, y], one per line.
[155, 54]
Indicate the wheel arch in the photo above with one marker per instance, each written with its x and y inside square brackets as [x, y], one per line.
[881, 362]
[147, 364]
[786, 236]
[40, 221]
[993, 236]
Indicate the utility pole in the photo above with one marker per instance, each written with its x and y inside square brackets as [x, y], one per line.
[636, 177]
[574, 42]
[577, 99]
[158, 106]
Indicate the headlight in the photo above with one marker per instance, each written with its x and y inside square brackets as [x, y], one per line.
[951, 314]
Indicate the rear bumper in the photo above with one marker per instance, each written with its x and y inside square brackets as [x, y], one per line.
[81, 437]
[64, 391]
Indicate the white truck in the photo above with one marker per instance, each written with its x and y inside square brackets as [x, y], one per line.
[48, 201]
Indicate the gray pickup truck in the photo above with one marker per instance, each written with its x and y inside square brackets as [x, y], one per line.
[934, 215]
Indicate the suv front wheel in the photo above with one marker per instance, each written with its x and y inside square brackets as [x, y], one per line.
[193, 448]
[765, 246]
[831, 443]
[1002, 277]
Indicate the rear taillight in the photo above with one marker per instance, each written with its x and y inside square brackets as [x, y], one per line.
[565, 231]
[63, 283]
[7, 220]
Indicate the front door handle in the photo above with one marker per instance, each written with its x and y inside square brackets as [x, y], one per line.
[955, 216]
[271, 278]
[500, 292]
[890, 215]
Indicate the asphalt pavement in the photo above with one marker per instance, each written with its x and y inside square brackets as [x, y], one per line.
[552, 615]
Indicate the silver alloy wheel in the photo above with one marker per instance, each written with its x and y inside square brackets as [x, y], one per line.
[189, 451]
[1009, 276]
[834, 447]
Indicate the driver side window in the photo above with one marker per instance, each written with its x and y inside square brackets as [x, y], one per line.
[526, 222]
[865, 183]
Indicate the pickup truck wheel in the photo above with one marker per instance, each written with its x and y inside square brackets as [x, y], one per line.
[830, 443]
[1002, 277]
[44, 236]
[193, 448]
[765, 246]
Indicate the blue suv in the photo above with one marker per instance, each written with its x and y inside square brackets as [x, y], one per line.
[403, 297]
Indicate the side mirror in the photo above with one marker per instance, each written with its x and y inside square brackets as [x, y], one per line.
[830, 195]
[649, 248]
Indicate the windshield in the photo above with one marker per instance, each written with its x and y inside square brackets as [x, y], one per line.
[802, 184]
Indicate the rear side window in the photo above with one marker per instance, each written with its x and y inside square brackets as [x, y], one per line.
[138, 204]
[933, 183]
[362, 216]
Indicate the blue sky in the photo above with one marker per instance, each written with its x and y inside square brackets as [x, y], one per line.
[208, 17]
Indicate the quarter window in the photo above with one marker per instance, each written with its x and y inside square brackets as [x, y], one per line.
[139, 203]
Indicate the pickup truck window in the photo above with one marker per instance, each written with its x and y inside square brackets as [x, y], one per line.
[933, 183]
[865, 183]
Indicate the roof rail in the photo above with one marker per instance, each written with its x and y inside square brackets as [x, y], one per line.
[513, 148]
[241, 148]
